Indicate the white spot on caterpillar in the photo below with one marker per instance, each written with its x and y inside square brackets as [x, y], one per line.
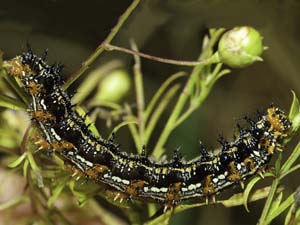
[57, 137]
[154, 189]
[191, 187]
[42, 102]
[184, 189]
[221, 177]
[126, 182]
[163, 189]
[116, 179]
[215, 180]
[256, 153]
[198, 185]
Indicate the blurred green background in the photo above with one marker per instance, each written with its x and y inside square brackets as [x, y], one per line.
[72, 30]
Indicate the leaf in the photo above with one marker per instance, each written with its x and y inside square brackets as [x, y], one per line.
[92, 126]
[120, 125]
[14, 84]
[275, 203]
[238, 199]
[291, 160]
[18, 161]
[25, 168]
[288, 216]
[11, 103]
[81, 197]
[282, 207]
[160, 92]
[32, 162]
[294, 114]
[158, 111]
[235, 200]
[14, 202]
[294, 168]
[247, 191]
[56, 192]
[295, 107]
[163, 219]
[278, 163]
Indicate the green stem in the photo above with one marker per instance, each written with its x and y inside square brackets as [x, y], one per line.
[140, 99]
[262, 220]
[132, 128]
[159, 110]
[184, 96]
[160, 92]
[204, 93]
[100, 48]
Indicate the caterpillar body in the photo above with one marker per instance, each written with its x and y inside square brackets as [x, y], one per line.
[133, 176]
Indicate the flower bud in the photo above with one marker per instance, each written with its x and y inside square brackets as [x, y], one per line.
[240, 47]
[114, 86]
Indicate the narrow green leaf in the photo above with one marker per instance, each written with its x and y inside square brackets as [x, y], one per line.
[160, 91]
[291, 160]
[282, 207]
[278, 163]
[32, 162]
[14, 84]
[235, 200]
[162, 219]
[18, 161]
[295, 107]
[294, 168]
[275, 204]
[80, 196]
[247, 191]
[11, 103]
[238, 199]
[120, 125]
[159, 110]
[294, 114]
[56, 193]
[92, 126]
[14, 202]
[25, 168]
[288, 215]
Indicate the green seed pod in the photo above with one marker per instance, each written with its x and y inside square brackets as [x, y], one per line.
[114, 86]
[240, 47]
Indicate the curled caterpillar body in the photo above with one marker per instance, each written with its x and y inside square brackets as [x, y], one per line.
[136, 176]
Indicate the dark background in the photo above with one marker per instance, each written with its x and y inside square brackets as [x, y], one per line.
[72, 30]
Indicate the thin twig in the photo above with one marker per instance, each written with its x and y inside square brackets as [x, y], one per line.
[100, 49]
[140, 99]
[210, 60]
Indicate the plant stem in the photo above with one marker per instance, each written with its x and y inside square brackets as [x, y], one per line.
[100, 48]
[140, 99]
[262, 220]
[186, 93]
[159, 110]
[207, 61]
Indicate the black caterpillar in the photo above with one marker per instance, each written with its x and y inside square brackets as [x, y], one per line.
[65, 132]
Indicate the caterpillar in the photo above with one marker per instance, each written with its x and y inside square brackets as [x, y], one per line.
[135, 176]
